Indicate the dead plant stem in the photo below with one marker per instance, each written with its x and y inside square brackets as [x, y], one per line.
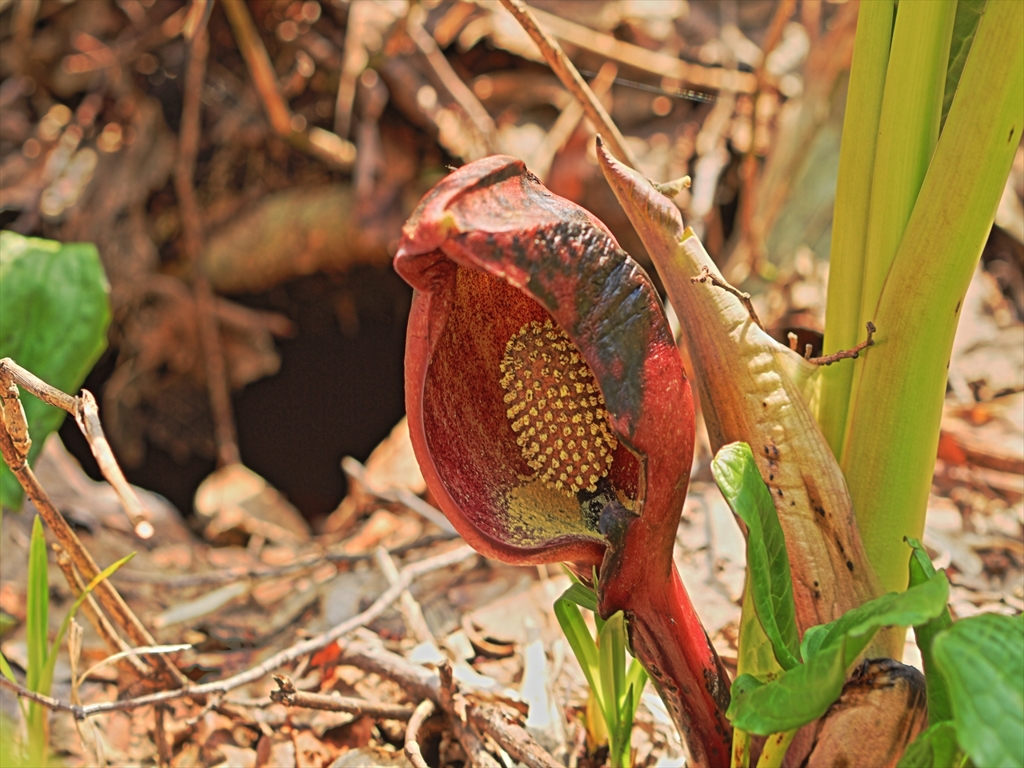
[192, 237]
[571, 79]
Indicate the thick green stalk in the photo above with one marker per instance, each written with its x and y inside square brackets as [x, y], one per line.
[850, 222]
[899, 386]
[907, 132]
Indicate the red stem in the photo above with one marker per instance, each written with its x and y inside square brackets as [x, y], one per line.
[667, 636]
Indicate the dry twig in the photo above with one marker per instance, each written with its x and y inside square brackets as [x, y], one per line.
[192, 236]
[571, 79]
[846, 354]
[457, 89]
[422, 683]
[325, 145]
[655, 62]
[288, 695]
[706, 276]
[412, 746]
[86, 413]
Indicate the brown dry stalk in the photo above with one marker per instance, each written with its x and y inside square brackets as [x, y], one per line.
[99, 621]
[571, 79]
[324, 145]
[86, 413]
[290, 696]
[481, 717]
[192, 236]
[412, 746]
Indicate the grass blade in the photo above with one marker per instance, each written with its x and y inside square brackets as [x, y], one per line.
[578, 635]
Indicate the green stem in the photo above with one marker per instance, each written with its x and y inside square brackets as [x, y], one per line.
[850, 221]
[775, 748]
[908, 129]
[899, 386]
[740, 749]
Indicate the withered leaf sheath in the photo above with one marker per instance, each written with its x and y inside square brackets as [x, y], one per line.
[550, 414]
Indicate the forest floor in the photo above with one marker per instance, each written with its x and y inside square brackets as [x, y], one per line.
[274, 209]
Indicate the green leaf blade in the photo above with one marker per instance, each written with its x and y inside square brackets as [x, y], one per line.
[935, 747]
[54, 313]
[583, 647]
[965, 25]
[37, 609]
[768, 564]
[921, 569]
[982, 661]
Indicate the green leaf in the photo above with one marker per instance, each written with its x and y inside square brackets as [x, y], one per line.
[583, 646]
[54, 314]
[982, 660]
[965, 25]
[767, 563]
[796, 697]
[921, 569]
[636, 678]
[934, 747]
[582, 596]
[612, 652]
[856, 628]
[805, 692]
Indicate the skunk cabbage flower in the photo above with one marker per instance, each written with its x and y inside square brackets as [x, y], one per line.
[550, 414]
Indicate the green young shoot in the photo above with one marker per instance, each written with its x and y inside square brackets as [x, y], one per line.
[37, 616]
[42, 656]
[615, 689]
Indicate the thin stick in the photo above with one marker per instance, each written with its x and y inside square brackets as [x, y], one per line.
[288, 695]
[192, 237]
[706, 276]
[654, 62]
[411, 611]
[513, 738]
[454, 703]
[412, 747]
[403, 496]
[457, 89]
[325, 145]
[262, 572]
[86, 413]
[98, 620]
[258, 62]
[408, 574]
[847, 354]
[542, 157]
[422, 683]
[571, 79]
